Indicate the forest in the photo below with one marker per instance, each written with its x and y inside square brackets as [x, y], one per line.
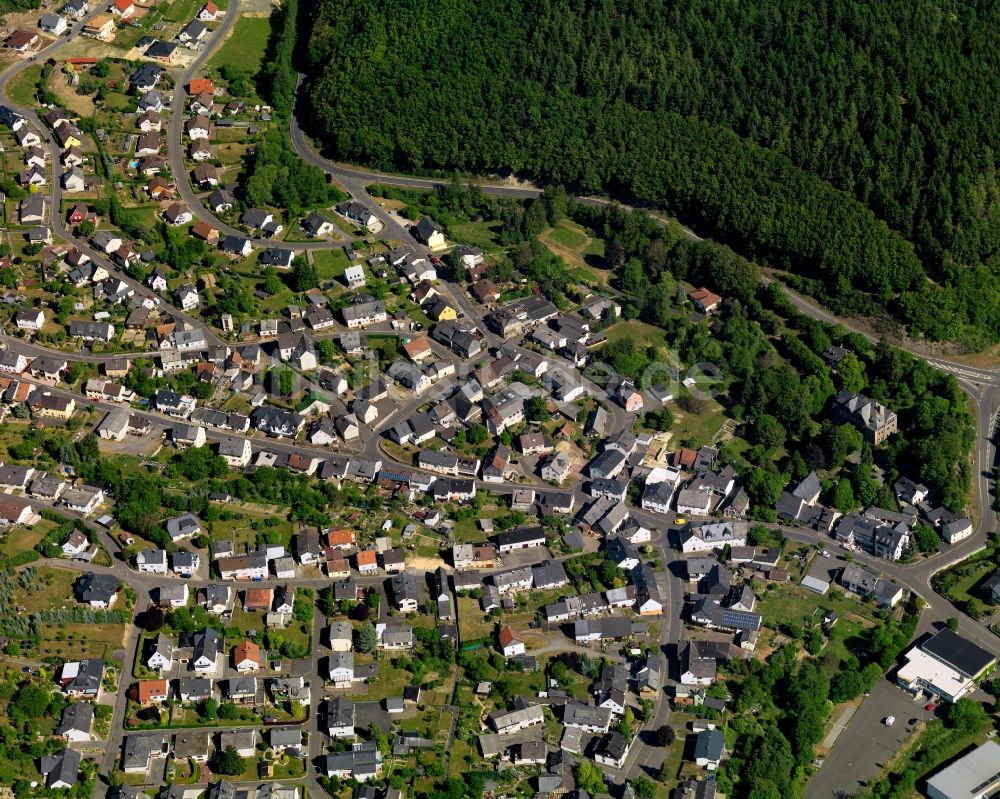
[839, 141]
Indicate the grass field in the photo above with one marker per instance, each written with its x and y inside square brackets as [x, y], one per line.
[245, 46]
[699, 428]
[22, 89]
[582, 254]
[641, 333]
[22, 539]
[74, 641]
[471, 624]
[791, 602]
[55, 589]
[484, 235]
[570, 236]
[330, 264]
[467, 530]
[244, 530]
[182, 10]
[391, 680]
[970, 576]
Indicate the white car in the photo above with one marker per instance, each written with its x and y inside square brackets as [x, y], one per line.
[889, 721]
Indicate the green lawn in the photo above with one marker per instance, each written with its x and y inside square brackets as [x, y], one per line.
[969, 575]
[292, 768]
[246, 45]
[569, 235]
[791, 604]
[21, 539]
[596, 248]
[182, 10]
[582, 254]
[641, 333]
[330, 264]
[699, 427]
[22, 89]
[484, 235]
[391, 680]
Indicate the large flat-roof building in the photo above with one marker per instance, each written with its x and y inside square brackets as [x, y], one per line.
[946, 665]
[975, 776]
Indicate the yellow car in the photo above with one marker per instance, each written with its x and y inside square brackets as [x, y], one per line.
[680, 520]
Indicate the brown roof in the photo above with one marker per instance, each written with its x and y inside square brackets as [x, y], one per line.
[258, 598]
[507, 636]
[12, 507]
[21, 39]
[203, 230]
[417, 346]
[685, 458]
[485, 289]
[247, 650]
[147, 689]
[335, 561]
[705, 297]
[367, 557]
[340, 537]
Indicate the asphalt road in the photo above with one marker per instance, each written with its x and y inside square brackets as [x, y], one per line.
[981, 384]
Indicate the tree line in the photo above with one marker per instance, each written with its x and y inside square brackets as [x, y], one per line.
[835, 140]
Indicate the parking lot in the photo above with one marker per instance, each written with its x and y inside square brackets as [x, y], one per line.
[866, 744]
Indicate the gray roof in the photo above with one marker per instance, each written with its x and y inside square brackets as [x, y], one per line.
[76, 716]
[339, 712]
[709, 744]
[62, 767]
[94, 587]
[139, 748]
[207, 643]
[578, 714]
[180, 525]
[285, 736]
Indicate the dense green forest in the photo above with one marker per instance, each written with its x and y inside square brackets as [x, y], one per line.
[6, 6]
[853, 144]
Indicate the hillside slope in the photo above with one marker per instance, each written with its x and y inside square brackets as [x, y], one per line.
[854, 144]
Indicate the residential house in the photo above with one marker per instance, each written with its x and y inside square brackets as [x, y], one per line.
[76, 722]
[874, 420]
[429, 234]
[97, 590]
[509, 642]
[705, 301]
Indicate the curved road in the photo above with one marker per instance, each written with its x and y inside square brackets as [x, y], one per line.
[54, 198]
[981, 385]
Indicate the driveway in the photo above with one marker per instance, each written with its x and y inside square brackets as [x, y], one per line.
[866, 744]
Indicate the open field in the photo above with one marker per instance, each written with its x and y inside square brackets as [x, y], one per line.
[54, 590]
[329, 264]
[21, 539]
[22, 89]
[701, 427]
[641, 333]
[75, 641]
[391, 680]
[245, 46]
[484, 235]
[582, 254]
[471, 624]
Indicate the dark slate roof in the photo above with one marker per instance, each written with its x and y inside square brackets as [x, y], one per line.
[959, 653]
